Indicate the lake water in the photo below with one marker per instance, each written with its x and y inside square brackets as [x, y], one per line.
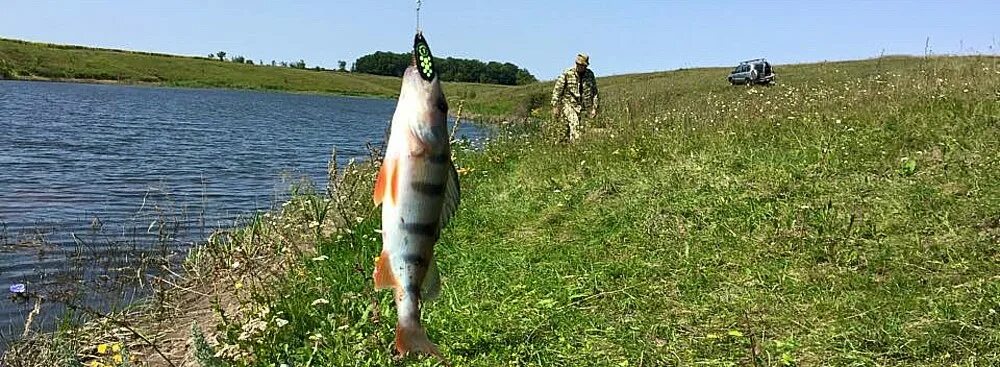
[87, 168]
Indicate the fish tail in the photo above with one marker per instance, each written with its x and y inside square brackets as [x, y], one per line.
[411, 337]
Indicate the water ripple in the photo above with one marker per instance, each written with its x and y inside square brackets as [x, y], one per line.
[72, 155]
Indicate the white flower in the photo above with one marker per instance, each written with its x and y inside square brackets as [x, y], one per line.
[280, 322]
[321, 301]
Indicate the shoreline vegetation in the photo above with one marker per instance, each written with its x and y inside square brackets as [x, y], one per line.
[845, 216]
[32, 61]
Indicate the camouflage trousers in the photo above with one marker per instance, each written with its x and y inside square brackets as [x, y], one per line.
[571, 118]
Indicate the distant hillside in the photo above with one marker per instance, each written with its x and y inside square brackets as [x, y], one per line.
[42, 61]
[533, 99]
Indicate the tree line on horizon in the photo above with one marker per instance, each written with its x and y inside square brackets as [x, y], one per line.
[301, 64]
[394, 64]
[451, 69]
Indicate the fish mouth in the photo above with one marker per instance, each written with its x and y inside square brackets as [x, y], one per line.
[422, 59]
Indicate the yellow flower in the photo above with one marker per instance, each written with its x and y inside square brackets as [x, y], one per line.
[102, 349]
[117, 358]
[116, 347]
[95, 364]
[238, 285]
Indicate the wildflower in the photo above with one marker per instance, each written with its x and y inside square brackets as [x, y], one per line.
[102, 348]
[117, 358]
[321, 301]
[238, 285]
[280, 322]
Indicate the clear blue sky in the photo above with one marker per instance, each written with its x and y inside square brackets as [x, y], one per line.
[542, 35]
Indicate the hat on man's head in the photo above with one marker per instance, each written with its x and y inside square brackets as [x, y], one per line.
[583, 59]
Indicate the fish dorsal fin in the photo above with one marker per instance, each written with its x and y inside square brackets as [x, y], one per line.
[452, 195]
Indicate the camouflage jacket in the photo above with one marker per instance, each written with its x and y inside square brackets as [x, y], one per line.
[576, 90]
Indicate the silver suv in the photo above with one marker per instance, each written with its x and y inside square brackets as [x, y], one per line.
[750, 72]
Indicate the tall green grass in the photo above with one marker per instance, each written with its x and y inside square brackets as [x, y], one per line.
[849, 215]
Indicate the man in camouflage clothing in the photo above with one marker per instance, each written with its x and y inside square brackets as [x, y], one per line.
[575, 91]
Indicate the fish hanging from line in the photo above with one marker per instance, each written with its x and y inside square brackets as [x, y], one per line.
[418, 189]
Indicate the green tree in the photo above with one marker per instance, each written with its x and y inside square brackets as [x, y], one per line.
[341, 65]
[451, 69]
[221, 55]
[524, 77]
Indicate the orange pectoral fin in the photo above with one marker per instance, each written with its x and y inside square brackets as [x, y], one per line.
[383, 273]
[385, 182]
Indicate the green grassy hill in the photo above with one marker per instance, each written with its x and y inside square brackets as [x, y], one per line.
[849, 215]
[29, 60]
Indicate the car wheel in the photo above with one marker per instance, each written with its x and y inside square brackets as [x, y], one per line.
[749, 82]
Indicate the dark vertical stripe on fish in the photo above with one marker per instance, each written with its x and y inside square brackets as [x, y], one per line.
[422, 229]
[440, 158]
[429, 189]
[416, 260]
[413, 288]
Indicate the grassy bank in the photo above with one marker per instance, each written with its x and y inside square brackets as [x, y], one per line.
[847, 216]
[41, 61]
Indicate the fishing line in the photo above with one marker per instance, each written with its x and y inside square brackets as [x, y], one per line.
[419, 3]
